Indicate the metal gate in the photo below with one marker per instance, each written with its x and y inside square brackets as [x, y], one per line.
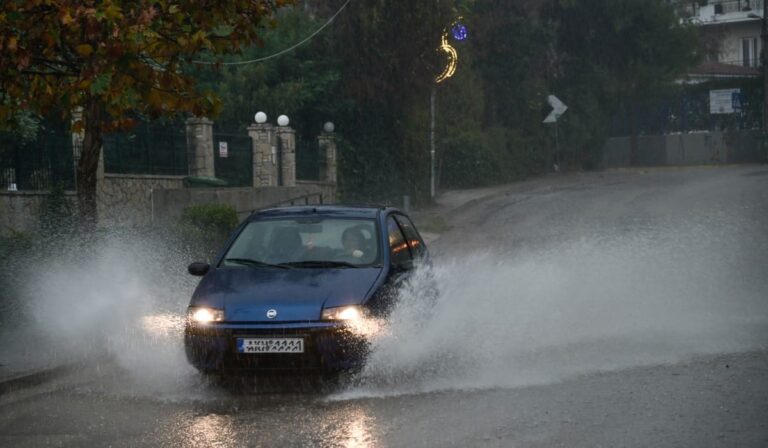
[310, 159]
[233, 159]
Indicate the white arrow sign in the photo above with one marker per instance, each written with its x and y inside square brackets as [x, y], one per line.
[558, 109]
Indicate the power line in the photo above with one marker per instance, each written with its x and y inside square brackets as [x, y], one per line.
[281, 52]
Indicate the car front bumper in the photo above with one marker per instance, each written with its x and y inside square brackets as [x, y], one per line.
[327, 347]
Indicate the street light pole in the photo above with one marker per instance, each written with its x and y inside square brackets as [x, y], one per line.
[432, 142]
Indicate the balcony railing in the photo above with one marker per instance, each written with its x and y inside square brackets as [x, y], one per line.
[722, 11]
[734, 6]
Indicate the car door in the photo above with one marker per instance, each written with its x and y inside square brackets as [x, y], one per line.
[427, 284]
[400, 264]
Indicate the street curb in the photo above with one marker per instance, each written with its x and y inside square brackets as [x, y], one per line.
[31, 379]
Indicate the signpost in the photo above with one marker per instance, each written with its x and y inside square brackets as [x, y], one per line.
[558, 109]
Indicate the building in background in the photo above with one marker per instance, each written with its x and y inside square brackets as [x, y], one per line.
[730, 37]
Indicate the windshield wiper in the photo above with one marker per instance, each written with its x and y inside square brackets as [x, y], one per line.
[320, 264]
[256, 263]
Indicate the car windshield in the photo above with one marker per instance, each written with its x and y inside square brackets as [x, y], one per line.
[315, 242]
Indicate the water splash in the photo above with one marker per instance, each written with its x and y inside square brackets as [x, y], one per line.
[605, 301]
[117, 299]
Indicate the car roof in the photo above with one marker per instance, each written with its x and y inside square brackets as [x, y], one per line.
[347, 211]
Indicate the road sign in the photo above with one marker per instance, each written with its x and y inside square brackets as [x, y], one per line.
[558, 109]
[223, 150]
[723, 101]
[737, 100]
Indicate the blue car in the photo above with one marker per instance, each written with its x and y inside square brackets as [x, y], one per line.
[300, 288]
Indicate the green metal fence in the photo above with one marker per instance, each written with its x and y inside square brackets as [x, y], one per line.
[150, 148]
[688, 109]
[40, 164]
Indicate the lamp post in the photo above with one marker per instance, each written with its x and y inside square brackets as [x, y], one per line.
[459, 33]
[432, 94]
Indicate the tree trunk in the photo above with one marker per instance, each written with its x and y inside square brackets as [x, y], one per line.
[88, 165]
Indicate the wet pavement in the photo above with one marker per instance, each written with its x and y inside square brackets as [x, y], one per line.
[633, 312]
[718, 401]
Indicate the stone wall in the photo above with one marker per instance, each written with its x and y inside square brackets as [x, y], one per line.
[20, 210]
[136, 200]
[126, 199]
[694, 148]
[168, 204]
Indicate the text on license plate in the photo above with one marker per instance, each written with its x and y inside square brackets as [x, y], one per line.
[270, 345]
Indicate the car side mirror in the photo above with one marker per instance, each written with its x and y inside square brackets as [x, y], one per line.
[198, 269]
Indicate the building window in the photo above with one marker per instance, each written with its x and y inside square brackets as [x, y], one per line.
[749, 52]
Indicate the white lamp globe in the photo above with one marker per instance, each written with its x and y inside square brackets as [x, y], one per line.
[283, 120]
[329, 127]
[260, 117]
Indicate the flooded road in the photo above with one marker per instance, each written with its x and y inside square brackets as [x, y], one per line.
[718, 401]
[625, 308]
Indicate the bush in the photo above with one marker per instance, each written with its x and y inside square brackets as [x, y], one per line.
[469, 162]
[493, 156]
[208, 226]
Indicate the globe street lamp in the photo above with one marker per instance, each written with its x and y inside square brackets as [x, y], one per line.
[283, 120]
[260, 117]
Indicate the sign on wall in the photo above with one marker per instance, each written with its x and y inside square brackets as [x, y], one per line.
[724, 101]
[223, 150]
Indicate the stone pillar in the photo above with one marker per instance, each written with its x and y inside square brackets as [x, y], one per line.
[287, 140]
[327, 144]
[264, 155]
[200, 147]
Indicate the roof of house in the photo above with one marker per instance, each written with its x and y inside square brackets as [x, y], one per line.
[719, 69]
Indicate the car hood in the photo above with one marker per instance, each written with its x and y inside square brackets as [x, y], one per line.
[246, 294]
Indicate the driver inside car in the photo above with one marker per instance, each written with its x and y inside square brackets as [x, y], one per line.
[353, 243]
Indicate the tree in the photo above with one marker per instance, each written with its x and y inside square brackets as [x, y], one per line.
[389, 53]
[102, 62]
[620, 52]
[303, 84]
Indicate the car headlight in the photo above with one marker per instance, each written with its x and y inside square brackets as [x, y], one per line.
[202, 315]
[345, 313]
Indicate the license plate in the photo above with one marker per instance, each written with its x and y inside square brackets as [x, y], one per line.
[270, 345]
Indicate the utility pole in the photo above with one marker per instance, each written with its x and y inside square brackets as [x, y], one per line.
[432, 142]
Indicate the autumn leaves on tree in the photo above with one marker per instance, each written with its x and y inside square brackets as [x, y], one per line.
[101, 63]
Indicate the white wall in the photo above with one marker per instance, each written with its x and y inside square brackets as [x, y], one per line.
[732, 35]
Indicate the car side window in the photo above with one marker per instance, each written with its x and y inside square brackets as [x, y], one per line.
[412, 236]
[398, 247]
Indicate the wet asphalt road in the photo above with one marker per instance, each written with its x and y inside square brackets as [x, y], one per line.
[713, 399]
[718, 401]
